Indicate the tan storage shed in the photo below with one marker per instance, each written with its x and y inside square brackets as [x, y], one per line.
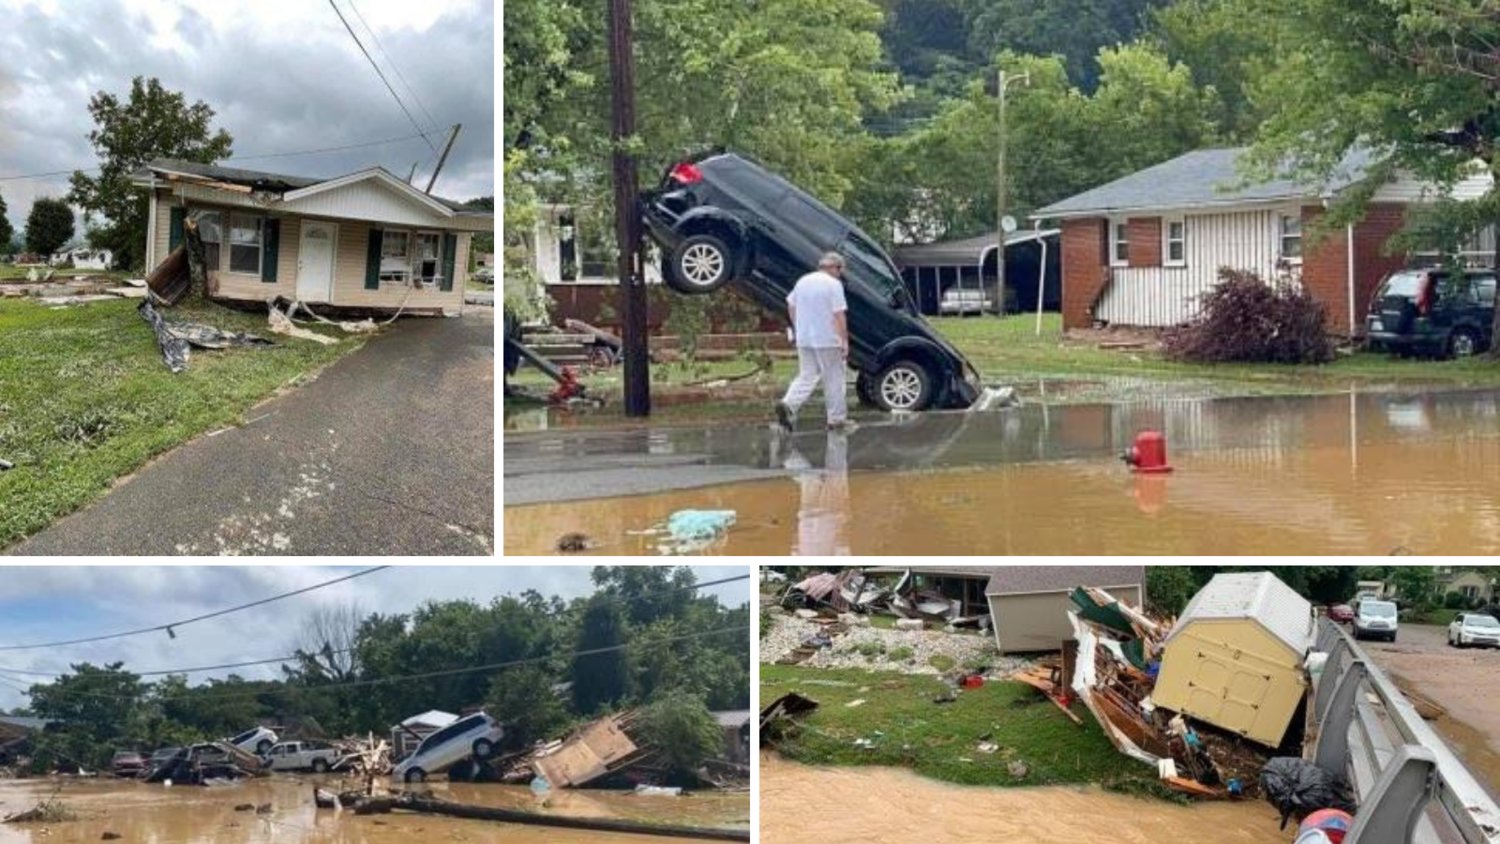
[1234, 657]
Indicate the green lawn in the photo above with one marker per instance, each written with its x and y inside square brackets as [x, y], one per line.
[11, 272]
[85, 397]
[907, 729]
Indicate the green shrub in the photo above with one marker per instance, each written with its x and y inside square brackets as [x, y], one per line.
[942, 662]
[900, 654]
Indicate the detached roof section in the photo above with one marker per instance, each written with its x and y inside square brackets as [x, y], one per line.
[1259, 596]
[291, 187]
[1201, 178]
[966, 251]
[1021, 580]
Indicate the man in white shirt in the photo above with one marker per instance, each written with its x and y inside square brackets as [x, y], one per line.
[820, 327]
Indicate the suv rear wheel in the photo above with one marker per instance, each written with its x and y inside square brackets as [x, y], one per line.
[1462, 343]
[701, 264]
[416, 775]
[483, 748]
[903, 385]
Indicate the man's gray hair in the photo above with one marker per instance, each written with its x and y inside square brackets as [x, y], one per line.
[831, 259]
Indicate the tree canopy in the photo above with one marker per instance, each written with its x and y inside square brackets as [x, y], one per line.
[49, 226]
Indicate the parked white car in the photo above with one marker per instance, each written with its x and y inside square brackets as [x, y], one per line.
[301, 756]
[256, 741]
[473, 735]
[1474, 628]
[1375, 620]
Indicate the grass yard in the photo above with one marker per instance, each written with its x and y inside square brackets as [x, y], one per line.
[11, 272]
[940, 740]
[85, 397]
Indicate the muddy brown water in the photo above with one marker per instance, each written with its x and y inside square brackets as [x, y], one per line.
[869, 805]
[153, 814]
[1373, 474]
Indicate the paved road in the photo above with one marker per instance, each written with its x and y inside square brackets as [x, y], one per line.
[1464, 681]
[388, 451]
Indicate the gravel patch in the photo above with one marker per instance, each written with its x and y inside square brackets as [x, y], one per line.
[877, 649]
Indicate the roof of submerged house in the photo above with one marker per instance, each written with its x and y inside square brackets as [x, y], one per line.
[1204, 177]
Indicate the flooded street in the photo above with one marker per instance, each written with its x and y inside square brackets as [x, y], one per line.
[895, 806]
[139, 812]
[1340, 474]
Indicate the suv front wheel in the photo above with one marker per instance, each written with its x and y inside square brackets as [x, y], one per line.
[903, 385]
[701, 264]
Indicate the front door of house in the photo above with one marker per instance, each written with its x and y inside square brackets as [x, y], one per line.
[315, 261]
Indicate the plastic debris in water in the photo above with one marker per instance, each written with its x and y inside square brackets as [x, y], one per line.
[688, 531]
[539, 785]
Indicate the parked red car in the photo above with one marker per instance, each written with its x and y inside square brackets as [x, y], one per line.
[1342, 613]
[127, 763]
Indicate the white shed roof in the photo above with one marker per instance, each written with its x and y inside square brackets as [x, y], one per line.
[1259, 596]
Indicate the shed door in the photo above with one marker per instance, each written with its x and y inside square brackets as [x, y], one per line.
[315, 261]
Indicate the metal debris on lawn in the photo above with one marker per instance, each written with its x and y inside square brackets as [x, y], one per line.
[174, 338]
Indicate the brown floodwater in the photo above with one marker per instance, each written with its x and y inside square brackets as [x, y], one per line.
[1374, 474]
[868, 805]
[152, 814]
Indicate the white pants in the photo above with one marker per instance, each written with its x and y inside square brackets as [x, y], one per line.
[814, 365]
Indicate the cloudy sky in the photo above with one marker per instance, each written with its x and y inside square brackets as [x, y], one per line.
[281, 76]
[41, 604]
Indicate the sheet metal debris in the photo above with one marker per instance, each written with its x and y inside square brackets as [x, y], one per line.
[175, 338]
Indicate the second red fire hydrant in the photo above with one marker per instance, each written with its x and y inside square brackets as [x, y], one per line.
[1149, 453]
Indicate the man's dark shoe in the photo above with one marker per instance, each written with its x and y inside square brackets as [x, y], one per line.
[784, 416]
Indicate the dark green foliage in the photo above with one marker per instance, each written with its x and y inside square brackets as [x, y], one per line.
[7, 231]
[1246, 320]
[1074, 29]
[681, 725]
[49, 226]
[1169, 588]
[600, 680]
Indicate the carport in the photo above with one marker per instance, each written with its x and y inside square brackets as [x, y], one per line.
[931, 269]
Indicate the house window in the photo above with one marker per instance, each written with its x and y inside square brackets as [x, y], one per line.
[244, 243]
[584, 252]
[395, 256]
[1174, 235]
[429, 264]
[211, 232]
[1289, 229]
[1119, 244]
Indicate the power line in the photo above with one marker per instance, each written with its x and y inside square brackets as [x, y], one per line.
[392, 62]
[234, 157]
[381, 74]
[175, 624]
[270, 660]
[425, 675]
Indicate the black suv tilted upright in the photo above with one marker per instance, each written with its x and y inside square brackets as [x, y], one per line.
[724, 218]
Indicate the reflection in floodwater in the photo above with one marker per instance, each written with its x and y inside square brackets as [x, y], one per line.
[895, 806]
[1344, 474]
[139, 812]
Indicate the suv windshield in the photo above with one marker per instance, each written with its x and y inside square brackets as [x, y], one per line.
[1380, 610]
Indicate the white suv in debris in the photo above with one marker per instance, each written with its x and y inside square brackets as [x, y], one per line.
[301, 756]
[256, 741]
[1474, 628]
[1375, 620]
[473, 735]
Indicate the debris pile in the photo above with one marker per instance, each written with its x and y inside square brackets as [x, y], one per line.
[851, 590]
[208, 763]
[849, 640]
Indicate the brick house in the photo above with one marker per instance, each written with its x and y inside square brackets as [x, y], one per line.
[1140, 250]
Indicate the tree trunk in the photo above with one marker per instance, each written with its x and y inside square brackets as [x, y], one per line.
[197, 257]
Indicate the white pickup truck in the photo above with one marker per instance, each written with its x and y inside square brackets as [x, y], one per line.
[302, 756]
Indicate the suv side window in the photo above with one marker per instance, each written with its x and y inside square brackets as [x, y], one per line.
[809, 219]
[458, 727]
[1484, 290]
[876, 267]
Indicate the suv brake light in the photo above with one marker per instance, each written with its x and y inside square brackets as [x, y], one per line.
[1424, 295]
[687, 173]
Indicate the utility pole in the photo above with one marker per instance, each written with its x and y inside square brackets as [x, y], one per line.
[1000, 195]
[627, 214]
[442, 159]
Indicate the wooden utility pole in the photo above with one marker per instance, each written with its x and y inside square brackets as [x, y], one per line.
[442, 159]
[1001, 197]
[627, 214]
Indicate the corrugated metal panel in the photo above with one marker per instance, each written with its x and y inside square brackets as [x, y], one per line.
[1164, 296]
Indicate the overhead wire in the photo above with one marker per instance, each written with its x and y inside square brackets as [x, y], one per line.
[432, 121]
[170, 627]
[381, 74]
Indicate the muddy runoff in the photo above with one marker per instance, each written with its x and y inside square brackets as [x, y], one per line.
[140, 812]
[872, 805]
[1347, 474]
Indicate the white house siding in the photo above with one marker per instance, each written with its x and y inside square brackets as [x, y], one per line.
[1163, 296]
[1406, 190]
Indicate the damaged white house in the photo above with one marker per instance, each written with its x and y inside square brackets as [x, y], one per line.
[365, 240]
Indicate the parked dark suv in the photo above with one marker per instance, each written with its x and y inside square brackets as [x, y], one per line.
[724, 219]
[1433, 312]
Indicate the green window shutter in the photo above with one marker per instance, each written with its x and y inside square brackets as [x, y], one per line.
[450, 249]
[174, 231]
[372, 261]
[270, 248]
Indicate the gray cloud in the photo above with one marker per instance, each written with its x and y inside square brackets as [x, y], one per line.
[289, 79]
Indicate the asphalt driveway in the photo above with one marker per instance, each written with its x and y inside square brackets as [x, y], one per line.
[389, 451]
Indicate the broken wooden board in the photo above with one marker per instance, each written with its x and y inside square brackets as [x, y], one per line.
[170, 280]
[587, 755]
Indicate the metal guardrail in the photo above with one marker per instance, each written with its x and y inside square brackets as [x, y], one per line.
[1411, 787]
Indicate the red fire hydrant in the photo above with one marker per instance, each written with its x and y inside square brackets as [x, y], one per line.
[1149, 454]
[567, 387]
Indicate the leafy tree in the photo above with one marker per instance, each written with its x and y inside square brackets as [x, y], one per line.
[1077, 30]
[1415, 585]
[681, 726]
[152, 122]
[524, 699]
[49, 226]
[1169, 588]
[1228, 51]
[7, 231]
[96, 703]
[600, 679]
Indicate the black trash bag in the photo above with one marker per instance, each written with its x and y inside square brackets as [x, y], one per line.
[1298, 788]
